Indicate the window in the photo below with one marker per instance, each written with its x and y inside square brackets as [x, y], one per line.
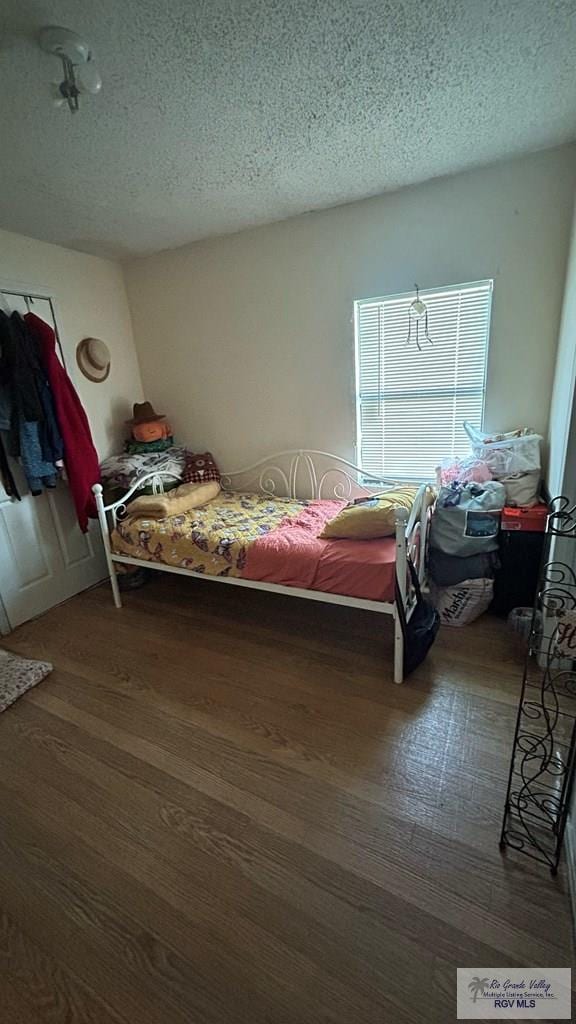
[411, 405]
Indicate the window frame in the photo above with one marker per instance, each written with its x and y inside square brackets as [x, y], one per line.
[424, 293]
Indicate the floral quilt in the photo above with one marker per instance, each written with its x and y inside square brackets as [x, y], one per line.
[213, 539]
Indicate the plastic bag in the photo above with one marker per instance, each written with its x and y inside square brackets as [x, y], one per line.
[459, 605]
[464, 470]
[517, 451]
[522, 621]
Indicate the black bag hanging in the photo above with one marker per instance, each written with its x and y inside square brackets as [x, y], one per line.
[420, 632]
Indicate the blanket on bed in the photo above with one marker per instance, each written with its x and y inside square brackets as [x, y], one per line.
[272, 540]
[213, 539]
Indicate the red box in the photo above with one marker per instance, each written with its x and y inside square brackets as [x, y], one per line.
[531, 520]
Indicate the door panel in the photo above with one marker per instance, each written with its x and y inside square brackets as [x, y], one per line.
[44, 556]
[75, 547]
[26, 544]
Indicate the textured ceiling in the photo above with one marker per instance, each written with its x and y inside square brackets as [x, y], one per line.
[219, 114]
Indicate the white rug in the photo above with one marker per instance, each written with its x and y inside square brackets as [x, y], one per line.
[18, 675]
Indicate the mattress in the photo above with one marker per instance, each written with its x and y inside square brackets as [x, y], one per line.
[272, 540]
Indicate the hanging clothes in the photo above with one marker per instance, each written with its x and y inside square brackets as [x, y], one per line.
[22, 370]
[5, 403]
[80, 456]
[6, 476]
[50, 438]
[8, 481]
[39, 472]
[26, 402]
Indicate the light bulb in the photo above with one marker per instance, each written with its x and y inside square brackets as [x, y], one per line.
[63, 43]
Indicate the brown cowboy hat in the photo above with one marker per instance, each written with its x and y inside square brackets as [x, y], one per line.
[143, 412]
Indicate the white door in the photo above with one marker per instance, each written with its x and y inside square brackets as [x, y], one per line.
[44, 556]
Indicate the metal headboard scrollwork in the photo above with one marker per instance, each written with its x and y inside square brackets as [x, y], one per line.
[305, 473]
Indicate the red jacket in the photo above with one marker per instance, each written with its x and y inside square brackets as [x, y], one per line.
[80, 456]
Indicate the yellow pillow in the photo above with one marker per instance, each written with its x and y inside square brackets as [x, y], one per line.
[373, 518]
[175, 502]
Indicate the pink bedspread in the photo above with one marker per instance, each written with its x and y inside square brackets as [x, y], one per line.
[293, 555]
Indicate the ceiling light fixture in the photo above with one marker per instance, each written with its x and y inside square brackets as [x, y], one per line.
[417, 314]
[80, 73]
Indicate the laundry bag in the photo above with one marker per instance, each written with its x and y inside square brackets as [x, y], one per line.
[450, 570]
[466, 519]
[460, 605]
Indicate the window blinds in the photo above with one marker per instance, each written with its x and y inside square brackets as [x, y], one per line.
[411, 405]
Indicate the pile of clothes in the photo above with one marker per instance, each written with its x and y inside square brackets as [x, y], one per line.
[151, 449]
[42, 421]
[463, 557]
[502, 470]
[513, 458]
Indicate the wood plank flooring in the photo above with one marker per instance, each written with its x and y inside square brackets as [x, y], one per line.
[219, 808]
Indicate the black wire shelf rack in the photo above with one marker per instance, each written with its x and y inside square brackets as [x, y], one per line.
[544, 750]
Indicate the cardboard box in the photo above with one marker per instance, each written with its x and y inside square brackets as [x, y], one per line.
[531, 520]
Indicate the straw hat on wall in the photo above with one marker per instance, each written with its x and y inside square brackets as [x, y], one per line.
[93, 358]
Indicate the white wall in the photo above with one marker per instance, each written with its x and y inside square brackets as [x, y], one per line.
[246, 341]
[562, 427]
[561, 477]
[91, 302]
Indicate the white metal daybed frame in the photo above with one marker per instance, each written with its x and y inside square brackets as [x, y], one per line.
[296, 474]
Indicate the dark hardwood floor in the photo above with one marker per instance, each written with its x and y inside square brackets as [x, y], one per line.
[219, 808]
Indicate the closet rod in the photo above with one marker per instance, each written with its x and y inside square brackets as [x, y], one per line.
[26, 295]
[40, 298]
